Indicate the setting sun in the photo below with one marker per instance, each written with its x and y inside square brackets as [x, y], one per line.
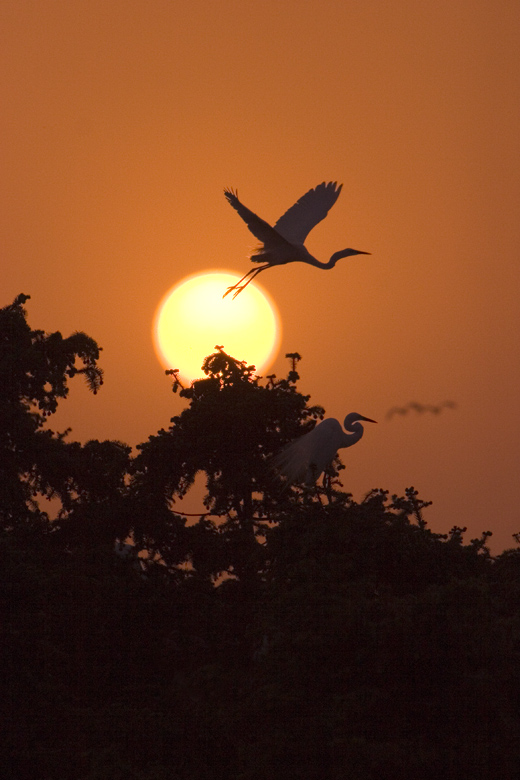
[193, 318]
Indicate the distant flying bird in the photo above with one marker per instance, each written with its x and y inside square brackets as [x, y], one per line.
[420, 408]
[284, 243]
[304, 459]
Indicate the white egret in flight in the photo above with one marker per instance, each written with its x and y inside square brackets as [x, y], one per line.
[284, 243]
[304, 459]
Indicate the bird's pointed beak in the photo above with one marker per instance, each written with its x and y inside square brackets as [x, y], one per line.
[363, 253]
[367, 419]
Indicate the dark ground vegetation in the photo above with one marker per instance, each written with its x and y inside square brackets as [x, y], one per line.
[285, 634]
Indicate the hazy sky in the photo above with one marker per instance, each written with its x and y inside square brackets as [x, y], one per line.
[122, 122]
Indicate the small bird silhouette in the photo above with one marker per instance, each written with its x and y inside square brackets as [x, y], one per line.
[284, 243]
[420, 408]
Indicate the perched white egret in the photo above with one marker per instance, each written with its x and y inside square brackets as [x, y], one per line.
[304, 459]
[284, 243]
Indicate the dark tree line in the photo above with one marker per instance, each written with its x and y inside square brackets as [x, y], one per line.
[286, 633]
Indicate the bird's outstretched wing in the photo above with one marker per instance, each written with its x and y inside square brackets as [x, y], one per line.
[261, 229]
[299, 220]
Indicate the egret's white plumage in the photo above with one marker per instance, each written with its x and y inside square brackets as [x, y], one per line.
[304, 459]
[284, 243]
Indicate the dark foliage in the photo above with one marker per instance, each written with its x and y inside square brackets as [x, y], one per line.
[285, 634]
[34, 371]
[229, 432]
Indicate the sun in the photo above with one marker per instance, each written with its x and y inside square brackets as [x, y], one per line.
[193, 318]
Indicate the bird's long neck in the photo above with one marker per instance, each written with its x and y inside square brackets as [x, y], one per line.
[337, 256]
[311, 260]
[355, 432]
[333, 260]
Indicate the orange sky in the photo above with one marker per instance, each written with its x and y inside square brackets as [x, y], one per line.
[124, 119]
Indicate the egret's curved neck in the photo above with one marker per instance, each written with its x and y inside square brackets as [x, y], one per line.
[355, 432]
[318, 264]
[337, 256]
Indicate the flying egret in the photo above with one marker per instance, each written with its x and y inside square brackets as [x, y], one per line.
[304, 459]
[420, 408]
[284, 243]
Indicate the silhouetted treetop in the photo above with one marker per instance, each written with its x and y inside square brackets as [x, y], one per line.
[289, 634]
[35, 369]
[233, 424]
[35, 366]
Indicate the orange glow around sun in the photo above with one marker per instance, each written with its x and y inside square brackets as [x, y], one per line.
[193, 318]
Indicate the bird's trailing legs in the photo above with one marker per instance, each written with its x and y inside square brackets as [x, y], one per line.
[238, 287]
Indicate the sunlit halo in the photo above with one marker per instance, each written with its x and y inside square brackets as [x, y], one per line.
[193, 317]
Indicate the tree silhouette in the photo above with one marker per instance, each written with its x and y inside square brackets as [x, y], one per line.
[230, 430]
[288, 634]
[35, 369]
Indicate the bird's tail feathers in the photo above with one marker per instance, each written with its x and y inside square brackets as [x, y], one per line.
[260, 255]
[288, 463]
